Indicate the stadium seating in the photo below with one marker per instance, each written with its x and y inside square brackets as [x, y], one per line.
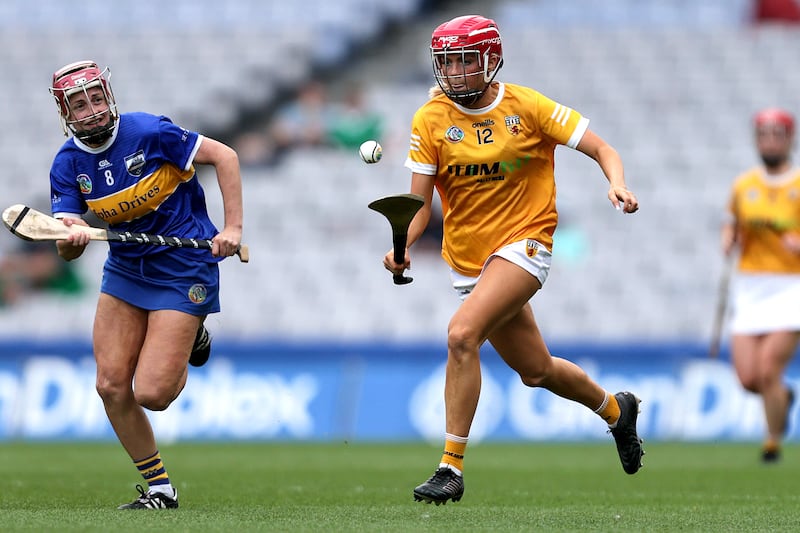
[672, 86]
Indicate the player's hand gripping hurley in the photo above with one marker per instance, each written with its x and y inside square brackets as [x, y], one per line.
[33, 225]
[399, 210]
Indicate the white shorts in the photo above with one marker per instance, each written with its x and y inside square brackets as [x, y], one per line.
[761, 303]
[537, 263]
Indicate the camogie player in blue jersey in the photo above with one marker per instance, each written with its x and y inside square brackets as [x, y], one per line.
[136, 172]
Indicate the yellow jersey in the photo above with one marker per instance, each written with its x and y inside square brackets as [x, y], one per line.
[494, 169]
[765, 208]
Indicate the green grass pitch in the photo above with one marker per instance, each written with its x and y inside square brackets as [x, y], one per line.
[341, 487]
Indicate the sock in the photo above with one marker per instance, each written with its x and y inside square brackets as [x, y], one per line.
[609, 410]
[771, 445]
[453, 455]
[153, 471]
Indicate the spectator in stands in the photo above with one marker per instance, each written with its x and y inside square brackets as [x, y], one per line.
[302, 123]
[136, 171]
[34, 268]
[764, 227]
[488, 148]
[353, 121]
[312, 120]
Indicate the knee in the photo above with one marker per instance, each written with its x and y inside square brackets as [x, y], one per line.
[536, 376]
[755, 382]
[462, 340]
[112, 391]
[153, 395]
[750, 384]
[153, 400]
[536, 380]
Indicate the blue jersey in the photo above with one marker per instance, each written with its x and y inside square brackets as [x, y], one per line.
[143, 181]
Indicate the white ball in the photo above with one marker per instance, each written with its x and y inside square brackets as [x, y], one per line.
[370, 151]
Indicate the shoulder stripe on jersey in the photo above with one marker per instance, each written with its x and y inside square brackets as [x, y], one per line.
[415, 142]
[561, 114]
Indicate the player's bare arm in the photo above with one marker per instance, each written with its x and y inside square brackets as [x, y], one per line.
[611, 164]
[728, 237]
[226, 162]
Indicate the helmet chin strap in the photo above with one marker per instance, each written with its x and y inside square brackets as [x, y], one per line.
[467, 99]
[97, 135]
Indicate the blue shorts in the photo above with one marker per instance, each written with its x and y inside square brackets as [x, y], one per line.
[163, 281]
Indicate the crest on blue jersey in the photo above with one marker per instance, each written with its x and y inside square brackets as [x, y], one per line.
[454, 134]
[135, 163]
[85, 183]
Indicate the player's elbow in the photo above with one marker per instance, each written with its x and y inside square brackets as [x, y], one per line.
[228, 156]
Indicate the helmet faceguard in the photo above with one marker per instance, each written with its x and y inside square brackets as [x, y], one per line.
[79, 78]
[470, 38]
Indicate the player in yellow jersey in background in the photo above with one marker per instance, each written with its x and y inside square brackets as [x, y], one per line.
[488, 149]
[765, 227]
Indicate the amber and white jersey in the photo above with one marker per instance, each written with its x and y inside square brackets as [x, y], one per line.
[493, 169]
[765, 208]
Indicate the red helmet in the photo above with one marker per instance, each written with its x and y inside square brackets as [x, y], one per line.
[469, 34]
[774, 115]
[80, 77]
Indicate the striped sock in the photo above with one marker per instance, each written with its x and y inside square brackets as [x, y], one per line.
[453, 455]
[153, 471]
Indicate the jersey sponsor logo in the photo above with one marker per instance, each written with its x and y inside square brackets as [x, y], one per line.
[135, 204]
[488, 171]
[513, 124]
[84, 183]
[135, 163]
[454, 134]
[773, 223]
[105, 163]
[198, 293]
[142, 197]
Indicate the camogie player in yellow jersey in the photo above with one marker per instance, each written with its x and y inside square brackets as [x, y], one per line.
[765, 227]
[488, 149]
